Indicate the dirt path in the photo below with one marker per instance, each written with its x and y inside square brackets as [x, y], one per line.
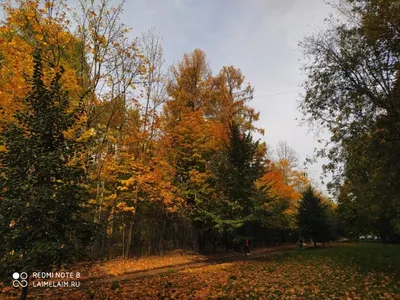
[214, 259]
[260, 253]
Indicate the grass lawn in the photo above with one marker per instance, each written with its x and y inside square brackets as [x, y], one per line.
[351, 271]
[348, 271]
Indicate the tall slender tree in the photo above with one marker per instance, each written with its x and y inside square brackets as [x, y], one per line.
[312, 217]
[239, 167]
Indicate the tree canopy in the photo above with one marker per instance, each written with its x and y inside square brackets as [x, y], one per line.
[352, 90]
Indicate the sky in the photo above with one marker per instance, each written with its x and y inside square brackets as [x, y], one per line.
[258, 36]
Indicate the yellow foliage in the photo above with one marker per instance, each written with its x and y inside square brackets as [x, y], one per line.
[26, 29]
[86, 135]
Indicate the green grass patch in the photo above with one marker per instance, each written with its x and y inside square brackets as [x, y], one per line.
[366, 257]
[346, 271]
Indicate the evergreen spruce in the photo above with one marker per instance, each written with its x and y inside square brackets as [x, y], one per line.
[238, 170]
[41, 191]
[313, 219]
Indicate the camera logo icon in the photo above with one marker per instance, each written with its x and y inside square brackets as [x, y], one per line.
[20, 279]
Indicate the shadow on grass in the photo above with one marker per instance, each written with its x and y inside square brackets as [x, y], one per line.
[366, 257]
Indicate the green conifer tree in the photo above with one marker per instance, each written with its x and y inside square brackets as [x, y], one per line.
[313, 219]
[42, 222]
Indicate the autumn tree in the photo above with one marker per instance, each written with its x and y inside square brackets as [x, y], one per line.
[368, 200]
[190, 138]
[28, 25]
[196, 124]
[287, 158]
[354, 219]
[154, 87]
[42, 195]
[152, 176]
[115, 73]
[282, 184]
[287, 161]
[281, 199]
[230, 98]
[352, 90]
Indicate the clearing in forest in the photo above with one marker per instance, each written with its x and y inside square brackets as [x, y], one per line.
[348, 271]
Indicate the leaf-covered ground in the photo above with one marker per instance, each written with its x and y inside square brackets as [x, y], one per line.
[353, 271]
[120, 266]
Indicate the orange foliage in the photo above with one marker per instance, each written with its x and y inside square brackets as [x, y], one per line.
[29, 27]
[275, 180]
[285, 198]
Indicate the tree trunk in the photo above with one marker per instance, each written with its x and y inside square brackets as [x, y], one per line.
[139, 244]
[110, 238]
[162, 236]
[214, 242]
[226, 238]
[186, 245]
[103, 245]
[194, 239]
[203, 241]
[97, 199]
[128, 245]
[24, 293]
[200, 240]
[101, 199]
[123, 237]
[315, 243]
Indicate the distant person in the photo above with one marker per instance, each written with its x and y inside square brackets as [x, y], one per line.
[246, 247]
[301, 244]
